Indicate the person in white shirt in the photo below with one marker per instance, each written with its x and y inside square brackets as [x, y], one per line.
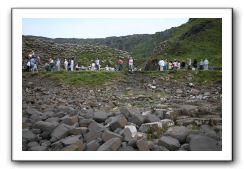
[58, 64]
[161, 65]
[97, 64]
[66, 64]
[72, 64]
[205, 63]
[178, 65]
[93, 66]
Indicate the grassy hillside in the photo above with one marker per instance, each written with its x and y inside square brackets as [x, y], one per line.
[197, 39]
[83, 54]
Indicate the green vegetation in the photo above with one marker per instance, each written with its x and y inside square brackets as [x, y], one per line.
[86, 78]
[155, 133]
[98, 78]
[197, 39]
[174, 117]
[195, 128]
[83, 55]
[182, 75]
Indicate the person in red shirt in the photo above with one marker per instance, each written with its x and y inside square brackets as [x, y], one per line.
[120, 64]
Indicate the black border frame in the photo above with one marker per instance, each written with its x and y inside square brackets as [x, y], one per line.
[233, 106]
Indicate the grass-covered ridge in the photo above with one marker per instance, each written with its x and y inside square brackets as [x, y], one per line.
[199, 38]
[200, 77]
[196, 39]
[100, 78]
[86, 78]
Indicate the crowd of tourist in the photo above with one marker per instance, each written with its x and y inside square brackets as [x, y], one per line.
[68, 64]
[175, 65]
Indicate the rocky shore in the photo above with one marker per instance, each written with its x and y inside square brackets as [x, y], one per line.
[137, 114]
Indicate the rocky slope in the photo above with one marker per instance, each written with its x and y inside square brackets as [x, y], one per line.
[141, 113]
[82, 54]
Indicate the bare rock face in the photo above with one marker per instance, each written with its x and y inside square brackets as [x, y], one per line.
[111, 145]
[130, 132]
[84, 122]
[188, 109]
[38, 148]
[78, 131]
[169, 142]
[94, 126]
[71, 140]
[70, 120]
[60, 132]
[79, 146]
[92, 145]
[28, 135]
[178, 132]
[208, 131]
[107, 135]
[125, 112]
[142, 145]
[92, 135]
[118, 122]
[137, 119]
[153, 126]
[100, 116]
[46, 126]
[203, 143]
[150, 118]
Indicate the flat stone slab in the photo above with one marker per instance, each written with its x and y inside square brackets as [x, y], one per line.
[142, 145]
[178, 132]
[28, 135]
[79, 146]
[118, 122]
[111, 145]
[71, 140]
[169, 142]
[146, 126]
[203, 143]
[107, 135]
[100, 117]
[38, 148]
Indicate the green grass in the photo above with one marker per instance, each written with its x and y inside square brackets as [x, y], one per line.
[155, 133]
[208, 77]
[182, 76]
[197, 39]
[86, 78]
[185, 42]
[96, 79]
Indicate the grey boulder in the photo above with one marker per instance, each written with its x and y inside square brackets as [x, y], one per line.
[178, 132]
[203, 143]
[169, 142]
[111, 145]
